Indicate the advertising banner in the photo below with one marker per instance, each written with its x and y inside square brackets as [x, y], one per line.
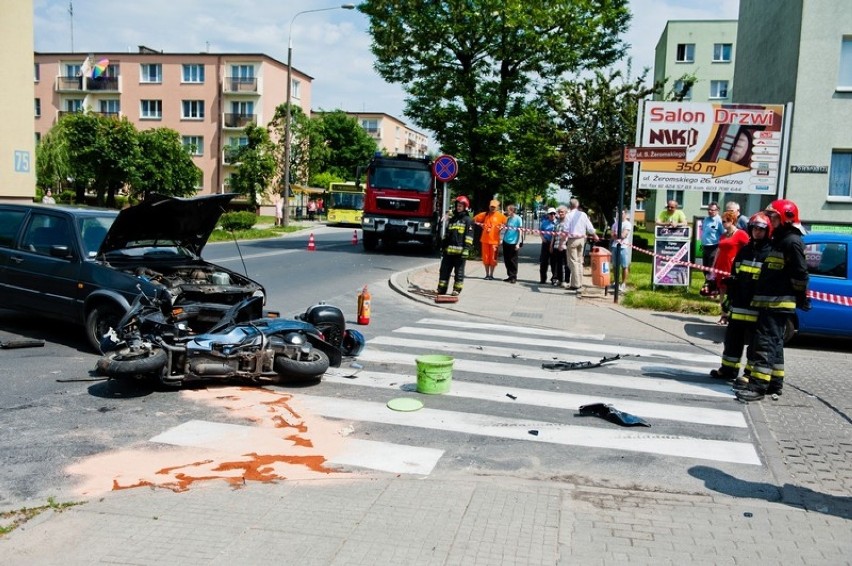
[671, 246]
[730, 148]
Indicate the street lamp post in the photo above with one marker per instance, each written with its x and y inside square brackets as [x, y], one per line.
[289, 118]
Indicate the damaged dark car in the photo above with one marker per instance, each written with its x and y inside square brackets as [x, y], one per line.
[86, 265]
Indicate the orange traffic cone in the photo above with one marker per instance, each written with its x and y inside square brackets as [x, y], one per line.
[364, 306]
[355, 238]
[312, 246]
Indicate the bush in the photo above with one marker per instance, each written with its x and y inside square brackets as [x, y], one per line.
[243, 220]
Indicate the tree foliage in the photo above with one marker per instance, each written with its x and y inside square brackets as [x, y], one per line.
[348, 144]
[165, 166]
[476, 73]
[595, 116]
[257, 165]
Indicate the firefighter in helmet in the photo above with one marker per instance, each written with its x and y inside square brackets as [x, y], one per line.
[455, 246]
[781, 287]
[740, 287]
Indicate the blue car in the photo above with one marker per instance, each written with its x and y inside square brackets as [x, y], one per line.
[828, 257]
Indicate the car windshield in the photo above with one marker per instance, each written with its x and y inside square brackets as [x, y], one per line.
[94, 229]
[402, 178]
[151, 249]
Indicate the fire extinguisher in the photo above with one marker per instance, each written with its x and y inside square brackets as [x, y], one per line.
[364, 306]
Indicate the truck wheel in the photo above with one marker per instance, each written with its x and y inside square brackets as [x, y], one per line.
[371, 241]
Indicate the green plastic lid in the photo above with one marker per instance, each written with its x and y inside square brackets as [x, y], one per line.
[405, 404]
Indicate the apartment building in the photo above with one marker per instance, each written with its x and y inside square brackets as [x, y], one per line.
[208, 98]
[17, 147]
[800, 51]
[391, 134]
[704, 49]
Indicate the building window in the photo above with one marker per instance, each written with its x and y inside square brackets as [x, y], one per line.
[193, 73]
[72, 70]
[110, 107]
[372, 126]
[74, 105]
[676, 196]
[151, 73]
[38, 107]
[722, 52]
[718, 89]
[678, 91]
[840, 179]
[708, 197]
[38, 138]
[194, 144]
[151, 109]
[37, 72]
[685, 53]
[296, 89]
[844, 77]
[193, 110]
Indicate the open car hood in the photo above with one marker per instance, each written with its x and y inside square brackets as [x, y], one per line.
[188, 222]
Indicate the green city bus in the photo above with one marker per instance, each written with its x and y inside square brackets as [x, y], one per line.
[344, 203]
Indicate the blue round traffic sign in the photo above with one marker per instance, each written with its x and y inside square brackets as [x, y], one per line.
[445, 168]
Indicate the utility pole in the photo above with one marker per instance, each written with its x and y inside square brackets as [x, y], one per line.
[71, 13]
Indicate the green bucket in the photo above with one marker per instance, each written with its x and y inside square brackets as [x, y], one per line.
[434, 374]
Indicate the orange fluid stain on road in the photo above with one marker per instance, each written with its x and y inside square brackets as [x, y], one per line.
[268, 455]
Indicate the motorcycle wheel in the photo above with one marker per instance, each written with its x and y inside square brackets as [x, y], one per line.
[127, 363]
[315, 365]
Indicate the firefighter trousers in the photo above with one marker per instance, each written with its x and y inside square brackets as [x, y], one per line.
[738, 335]
[450, 263]
[768, 349]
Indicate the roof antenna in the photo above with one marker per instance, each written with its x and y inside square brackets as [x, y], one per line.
[71, 13]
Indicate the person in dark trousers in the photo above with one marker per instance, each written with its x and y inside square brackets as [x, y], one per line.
[455, 247]
[781, 287]
[740, 285]
[545, 257]
[512, 241]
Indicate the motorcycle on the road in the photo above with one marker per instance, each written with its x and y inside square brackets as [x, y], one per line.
[155, 338]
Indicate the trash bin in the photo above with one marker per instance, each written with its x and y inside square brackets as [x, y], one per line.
[600, 266]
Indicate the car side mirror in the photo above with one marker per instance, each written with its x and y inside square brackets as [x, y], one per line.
[62, 252]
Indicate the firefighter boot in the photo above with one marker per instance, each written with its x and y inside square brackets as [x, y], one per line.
[723, 372]
[776, 384]
[740, 383]
[756, 391]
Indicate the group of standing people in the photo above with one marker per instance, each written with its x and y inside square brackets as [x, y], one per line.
[564, 231]
[563, 234]
[768, 280]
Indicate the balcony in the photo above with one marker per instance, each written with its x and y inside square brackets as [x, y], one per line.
[86, 84]
[239, 120]
[230, 155]
[240, 85]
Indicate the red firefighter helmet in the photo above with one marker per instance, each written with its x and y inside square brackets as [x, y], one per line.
[463, 199]
[760, 220]
[786, 209]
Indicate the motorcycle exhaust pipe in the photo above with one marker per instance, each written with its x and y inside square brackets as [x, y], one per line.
[208, 368]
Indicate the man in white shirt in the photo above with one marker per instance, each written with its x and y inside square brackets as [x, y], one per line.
[578, 227]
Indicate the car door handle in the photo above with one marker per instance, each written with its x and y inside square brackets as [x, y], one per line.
[16, 259]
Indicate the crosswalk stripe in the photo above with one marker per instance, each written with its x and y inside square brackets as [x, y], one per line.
[544, 342]
[553, 333]
[550, 399]
[518, 429]
[626, 363]
[598, 378]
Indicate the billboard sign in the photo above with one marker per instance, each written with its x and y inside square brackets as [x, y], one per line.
[730, 148]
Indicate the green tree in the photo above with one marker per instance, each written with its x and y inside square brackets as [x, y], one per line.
[164, 166]
[473, 70]
[348, 144]
[53, 167]
[257, 165]
[307, 150]
[595, 117]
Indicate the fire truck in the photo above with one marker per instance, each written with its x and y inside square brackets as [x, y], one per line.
[401, 202]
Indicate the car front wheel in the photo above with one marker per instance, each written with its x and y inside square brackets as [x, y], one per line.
[100, 319]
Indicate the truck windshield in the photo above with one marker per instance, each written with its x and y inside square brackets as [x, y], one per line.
[399, 178]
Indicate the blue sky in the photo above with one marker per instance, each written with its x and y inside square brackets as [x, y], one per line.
[332, 46]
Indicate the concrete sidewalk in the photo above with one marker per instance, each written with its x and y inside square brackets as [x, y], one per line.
[385, 519]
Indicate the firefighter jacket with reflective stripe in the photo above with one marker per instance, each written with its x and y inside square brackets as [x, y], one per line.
[783, 281]
[459, 237]
[744, 275]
